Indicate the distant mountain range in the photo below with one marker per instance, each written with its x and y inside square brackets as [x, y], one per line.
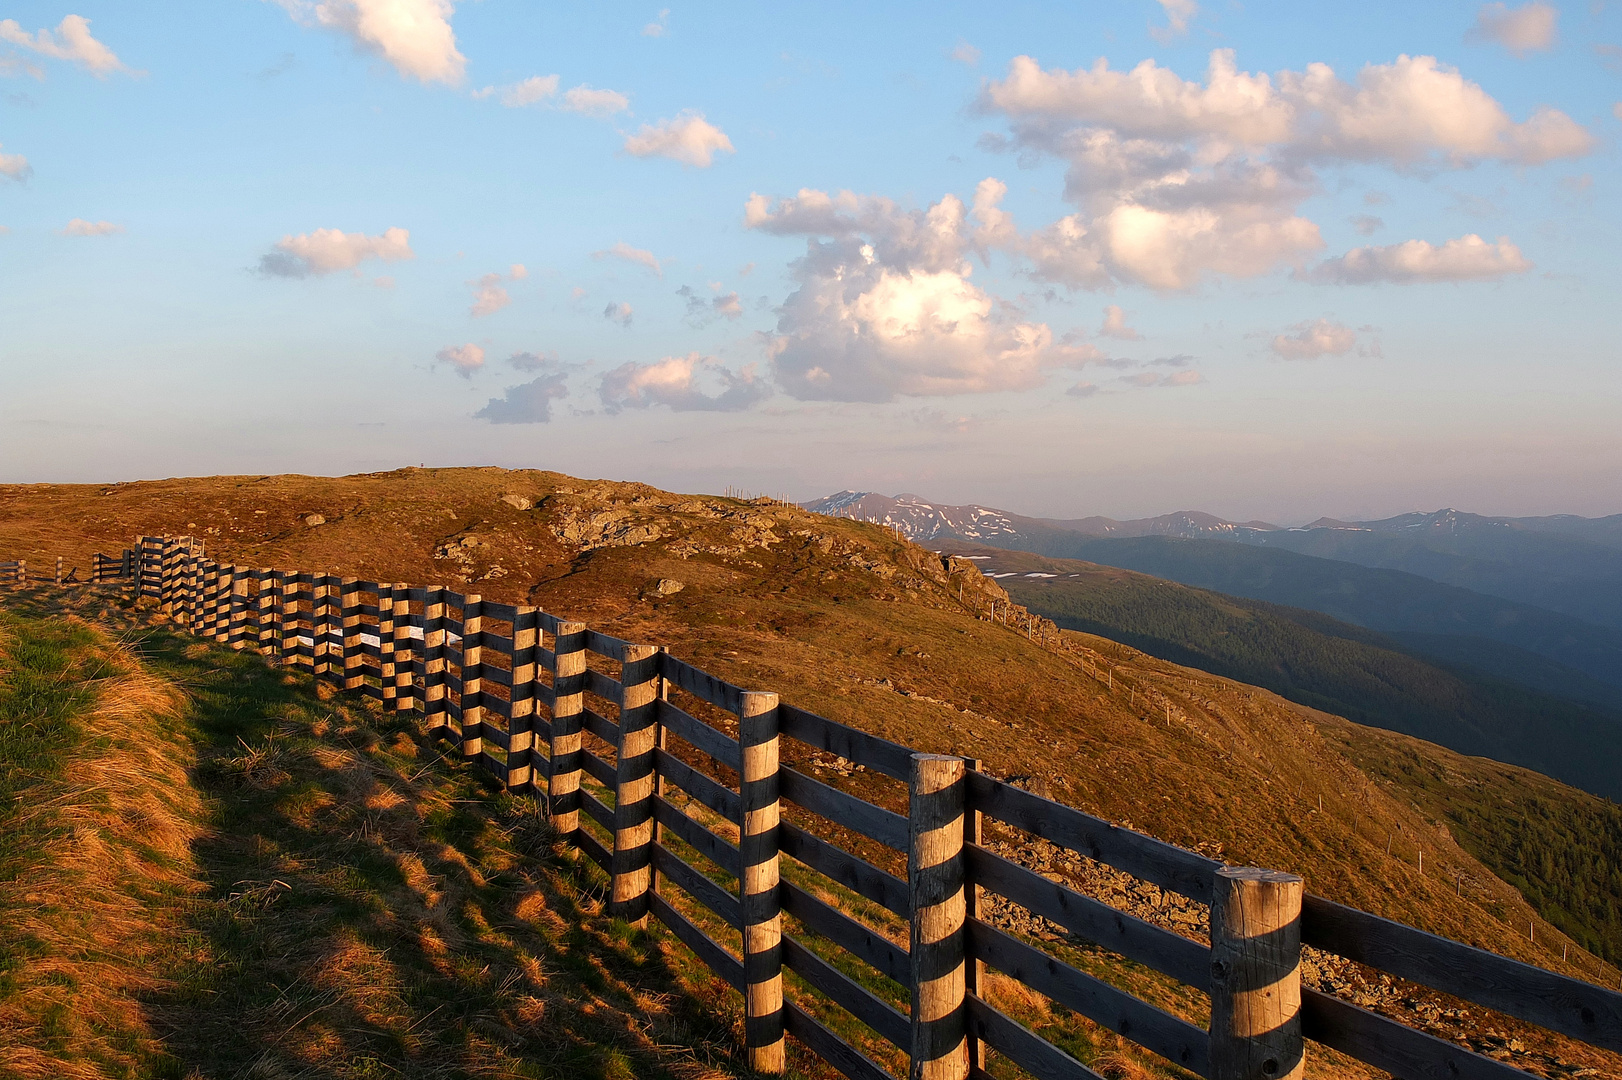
[1478, 591]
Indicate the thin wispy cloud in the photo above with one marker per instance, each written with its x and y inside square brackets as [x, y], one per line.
[1531, 27]
[325, 251]
[636, 255]
[70, 41]
[83, 227]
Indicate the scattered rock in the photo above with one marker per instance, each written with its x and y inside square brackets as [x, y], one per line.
[518, 502]
[668, 587]
[312, 520]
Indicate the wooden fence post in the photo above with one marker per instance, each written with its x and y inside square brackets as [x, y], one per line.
[266, 628]
[349, 619]
[758, 887]
[408, 646]
[632, 862]
[937, 799]
[1256, 975]
[521, 713]
[58, 580]
[974, 971]
[470, 721]
[568, 687]
[433, 662]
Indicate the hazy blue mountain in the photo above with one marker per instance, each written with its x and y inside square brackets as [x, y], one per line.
[1324, 663]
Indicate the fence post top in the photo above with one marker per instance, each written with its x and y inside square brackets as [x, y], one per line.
[758, 701]
[1257, 874]
[932, 758]
[569, 626]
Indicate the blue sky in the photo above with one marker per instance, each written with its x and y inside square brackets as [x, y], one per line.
[1267, 260]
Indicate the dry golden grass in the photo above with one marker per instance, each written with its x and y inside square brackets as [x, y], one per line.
[98, 908]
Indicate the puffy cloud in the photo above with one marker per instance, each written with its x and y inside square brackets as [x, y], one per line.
[526, 403]
[535, 89]
[1528, 28]
[1179, 13]
[466, 359]
[687, 138]
[1178, 180]
[1315, 338]
[528, 361]
[489, 296]
[81, 227]
[725, 306]
[15, 167]
[618, 313]
[593, 102]
[1115, 325]
[414, 36]
[1468, 258]
[679, 383]
[71, 41]
[885, 305]
[630, 254]
[658, 27]
[327, 250]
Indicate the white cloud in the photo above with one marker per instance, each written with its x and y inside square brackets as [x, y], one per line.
[534, 89]
[660, 26]
[526, 403]
[1182, 378]
[593, 102]
[489, 296]
[886, 306]
[1366, 224]
[414, 36]
[687, 138]
[81, 227]
[1468, 258]
[15, 167]
[630, 254]
[1179, 13]
[965, 53]
[71, 41]
[1315, 338]
[327, 250]
[727, 306]
[528, 361]
[466, 359]
[1115, 325]
[618, 313]
[1177, 181]
[1528, 28]
[691, 383]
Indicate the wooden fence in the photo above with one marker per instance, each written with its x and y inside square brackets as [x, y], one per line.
[687, 777]
[14, 572]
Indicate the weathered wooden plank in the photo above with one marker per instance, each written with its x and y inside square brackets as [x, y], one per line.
[599, 812]
[717, 959]
[1174, 1039]
[599, 770]
[845, 992]
[495, 768]
[830, 1047]
[1590, 1013]
[703, 788]
[1164, 864]
[1166, 952]
[1030, 1052]
[862, 942]
[696, 885]
[855, 874]
[500, 612]
[603, 645]
[600, 726]
[592, 846]
[858, 747]
[603, 686]
[714, 848]
[1396, 1048]
[689, 728]
[859, 815]
[702, 685]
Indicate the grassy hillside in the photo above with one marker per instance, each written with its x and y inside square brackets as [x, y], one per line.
[1329, 665]
[1380, 599]
[257, 879]
[844, 619]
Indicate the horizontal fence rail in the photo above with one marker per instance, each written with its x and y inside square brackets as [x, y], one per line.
[677, 784]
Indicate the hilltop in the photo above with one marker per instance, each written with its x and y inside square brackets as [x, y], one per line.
[846, 619]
